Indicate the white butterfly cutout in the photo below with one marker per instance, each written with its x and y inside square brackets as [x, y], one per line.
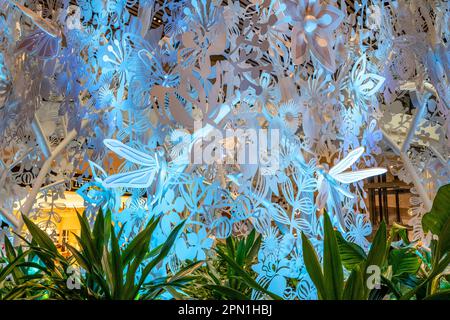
[365, 84]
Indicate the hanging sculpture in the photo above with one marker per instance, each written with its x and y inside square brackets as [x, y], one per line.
[231, 115]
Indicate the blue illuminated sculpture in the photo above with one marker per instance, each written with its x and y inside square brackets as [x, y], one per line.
[232, 117]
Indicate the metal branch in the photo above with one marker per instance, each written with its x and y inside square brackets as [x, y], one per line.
[40, 137]
[10, 218]
[411, 170]
[29, 202]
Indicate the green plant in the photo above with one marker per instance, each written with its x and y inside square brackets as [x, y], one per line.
[112, 272]
[11, 275]
[329, 278]
[407, 270]
[397, 263]
[437, 221]
[227, 274]
[338, 253]
[109, 271]
[39, 270]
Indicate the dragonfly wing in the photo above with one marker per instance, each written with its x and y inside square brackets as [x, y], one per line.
[142, 178]
[347, 161]
[97, 172]
[346, 193]
[129, 153]
[353, 176]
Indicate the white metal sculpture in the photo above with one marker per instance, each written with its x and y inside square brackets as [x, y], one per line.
[158, 82]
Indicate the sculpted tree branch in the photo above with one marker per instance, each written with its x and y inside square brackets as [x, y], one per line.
[29, 202]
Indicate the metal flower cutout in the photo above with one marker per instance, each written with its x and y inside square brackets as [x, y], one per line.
[44, 41]
[313, 27]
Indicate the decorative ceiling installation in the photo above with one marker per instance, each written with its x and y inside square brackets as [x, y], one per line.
[184, 91]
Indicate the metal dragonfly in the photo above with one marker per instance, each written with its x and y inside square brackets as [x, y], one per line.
[155, 169]
[328, 182]
[155, 166]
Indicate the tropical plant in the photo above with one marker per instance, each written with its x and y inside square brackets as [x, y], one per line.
[329, 278]
[108, 270]
[111, 270]
[115, 273]
[434, 284]
[406, 269]
[10, 274]
[227, 274]
[38, 270]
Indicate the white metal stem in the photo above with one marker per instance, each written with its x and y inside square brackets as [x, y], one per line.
[40, 137]
[411, 170]
[10, 218]
[420, 104]
[29, 202]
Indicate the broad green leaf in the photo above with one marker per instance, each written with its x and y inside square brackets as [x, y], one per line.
[85, 240]
[404, 260]
[99, 231]
[39, 236]
[354, 287]
[435, 220]
[249, 240]
[4, 272]
[443, 246]
[79, 257]
[377, 253]
[437, 269]
[378, 249]
[313, 267]
[116, 267]
[11, 255]
[240, 252]
[253, 252]
[332, 266]
[351, 254]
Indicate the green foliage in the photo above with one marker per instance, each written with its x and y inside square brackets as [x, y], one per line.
[438, 222]
[329, 279]
[407, 270]
[122, 273]
[11, 274]
[227, 274]
[438, 217]
[41, 274]
[404, 261]
[108, 270]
